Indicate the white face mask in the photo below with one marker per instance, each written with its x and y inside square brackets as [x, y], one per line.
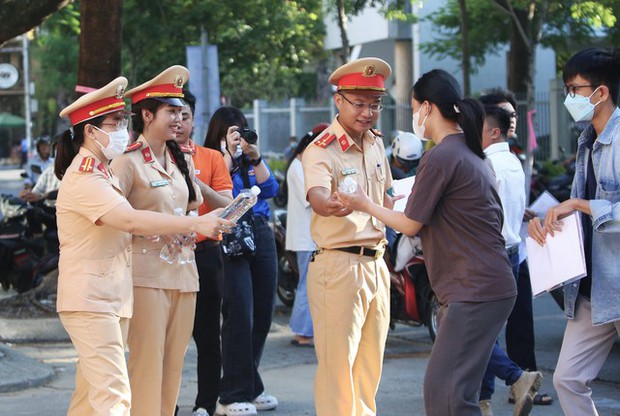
[117, 143]
[580, 107]
[419, 130]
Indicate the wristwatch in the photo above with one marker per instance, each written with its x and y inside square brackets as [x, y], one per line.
[256, 162]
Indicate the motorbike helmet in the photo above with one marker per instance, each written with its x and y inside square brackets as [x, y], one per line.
[407, 148]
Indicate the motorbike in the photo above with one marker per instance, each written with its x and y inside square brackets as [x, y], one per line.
[288, 275]
[412, 300]
[24, 259]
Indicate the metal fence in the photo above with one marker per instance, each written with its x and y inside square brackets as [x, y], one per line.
[277, 122]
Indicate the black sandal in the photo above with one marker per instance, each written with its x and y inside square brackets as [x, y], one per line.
[541, 399]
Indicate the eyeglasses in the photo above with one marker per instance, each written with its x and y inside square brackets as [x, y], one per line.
[121, 125]
[571, 89]
[374, 108]
[513, 114]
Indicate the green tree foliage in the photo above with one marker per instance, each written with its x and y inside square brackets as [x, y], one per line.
[264, 45]
[54, 70]
[557, 24]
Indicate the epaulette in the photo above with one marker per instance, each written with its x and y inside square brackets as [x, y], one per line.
[376, 132]
[133, 146]
[325, 140]
[87, 165]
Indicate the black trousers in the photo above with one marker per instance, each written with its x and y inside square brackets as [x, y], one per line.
[206, 333]
[248, 295]
[520, 340]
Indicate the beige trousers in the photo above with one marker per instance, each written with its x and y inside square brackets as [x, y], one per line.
[159, 334]
[349, 303]
[101, 381]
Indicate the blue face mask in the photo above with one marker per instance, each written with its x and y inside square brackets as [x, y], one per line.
[580, 107]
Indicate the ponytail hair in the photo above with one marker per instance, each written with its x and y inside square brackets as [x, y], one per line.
[443, 90]
[179, 159]
[69, 143]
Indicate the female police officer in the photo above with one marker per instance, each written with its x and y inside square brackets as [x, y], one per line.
[94, 225]
[155, 175]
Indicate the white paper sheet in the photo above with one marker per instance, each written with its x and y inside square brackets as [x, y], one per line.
[402, 187]
[542, 204]
[561, 260]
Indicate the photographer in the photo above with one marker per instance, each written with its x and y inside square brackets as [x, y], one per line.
[248, 290]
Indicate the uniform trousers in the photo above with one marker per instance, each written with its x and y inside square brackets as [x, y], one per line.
[206, 332]
[349, 299]
[101, 380]
[584, 350]
[466, 334]
[159, 334]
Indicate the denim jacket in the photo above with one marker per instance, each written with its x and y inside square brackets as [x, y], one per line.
[605, 295]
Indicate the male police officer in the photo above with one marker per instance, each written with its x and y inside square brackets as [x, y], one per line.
[348, 281]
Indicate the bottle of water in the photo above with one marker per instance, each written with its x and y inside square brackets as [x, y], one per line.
[241, 204]
[189, 245]
[170, 252]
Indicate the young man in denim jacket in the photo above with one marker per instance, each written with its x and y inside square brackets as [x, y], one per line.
[592, 79]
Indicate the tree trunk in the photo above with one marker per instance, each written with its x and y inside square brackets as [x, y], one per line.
[100, 42]
[465, 59]
[20, 16]
[342, 25]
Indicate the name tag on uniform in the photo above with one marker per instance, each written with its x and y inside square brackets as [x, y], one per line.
[157, 184]
[348, 171]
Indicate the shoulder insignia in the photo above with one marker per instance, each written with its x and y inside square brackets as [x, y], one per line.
[326, 139]
[87, 165]
[376, 132]
[147, 155]
[103, 169]
[133, 146]
[344, 143]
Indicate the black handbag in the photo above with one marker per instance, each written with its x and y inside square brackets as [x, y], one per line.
[239, 243]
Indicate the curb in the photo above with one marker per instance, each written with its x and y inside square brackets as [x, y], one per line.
[32, 330]
[18, 372]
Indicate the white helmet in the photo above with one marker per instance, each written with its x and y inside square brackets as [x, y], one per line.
[407, 146]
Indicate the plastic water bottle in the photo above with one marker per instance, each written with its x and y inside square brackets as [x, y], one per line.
[170, 252]
[189, 245]
[241, 204]
[348, 186]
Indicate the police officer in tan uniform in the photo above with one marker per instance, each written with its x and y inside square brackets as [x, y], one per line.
[348, 281]
[156, 175]
[94, 225]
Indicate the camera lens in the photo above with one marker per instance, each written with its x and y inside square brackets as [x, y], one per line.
[248, 135]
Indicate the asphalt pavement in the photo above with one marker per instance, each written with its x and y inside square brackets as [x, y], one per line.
[38, 377]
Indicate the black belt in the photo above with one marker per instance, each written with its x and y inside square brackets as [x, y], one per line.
[205, 244]
[512, 250]
[361, 251]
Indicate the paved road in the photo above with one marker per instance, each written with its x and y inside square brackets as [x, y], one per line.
[288, 371]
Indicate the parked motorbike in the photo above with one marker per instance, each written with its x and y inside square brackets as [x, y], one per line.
[288, 275]
[24, 259]
[412, 300]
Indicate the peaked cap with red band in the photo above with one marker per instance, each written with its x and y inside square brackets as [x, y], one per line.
[365, 74]
[105, 100]
[166, 87]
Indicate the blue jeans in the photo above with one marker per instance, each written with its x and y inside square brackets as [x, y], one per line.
[248, 298]
[301, 321]
[500, 365]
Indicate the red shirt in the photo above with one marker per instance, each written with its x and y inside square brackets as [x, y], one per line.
[210, 169]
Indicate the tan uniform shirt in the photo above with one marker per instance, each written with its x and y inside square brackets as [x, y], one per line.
[95, 262]
[148, 186]
[327, 162]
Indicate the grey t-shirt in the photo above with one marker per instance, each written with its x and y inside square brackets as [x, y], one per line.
[455, 198]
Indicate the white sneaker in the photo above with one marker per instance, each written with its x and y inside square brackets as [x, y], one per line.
[200, 412]
[235, 409]
[265, 402]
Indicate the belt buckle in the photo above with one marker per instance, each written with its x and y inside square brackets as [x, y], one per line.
[379, 252]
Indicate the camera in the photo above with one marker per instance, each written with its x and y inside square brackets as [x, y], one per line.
[248, 134]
